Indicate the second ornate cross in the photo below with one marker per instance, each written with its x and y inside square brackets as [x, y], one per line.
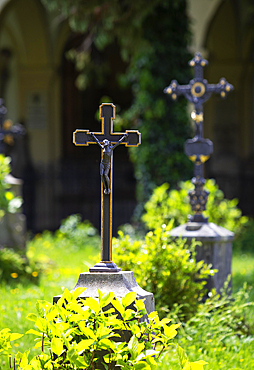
[108, 141]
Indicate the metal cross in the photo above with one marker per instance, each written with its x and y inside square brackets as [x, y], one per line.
[107, 140]
[198, 149]
[198, 90]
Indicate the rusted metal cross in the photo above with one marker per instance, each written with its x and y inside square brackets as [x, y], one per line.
[198, 149]
[108, 141]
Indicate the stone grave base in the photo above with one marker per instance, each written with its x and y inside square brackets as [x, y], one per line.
[120, 283]
[216, 248]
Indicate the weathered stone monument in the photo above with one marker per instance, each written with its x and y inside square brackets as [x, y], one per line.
[106, 275]
[12, 225]
[216, 241]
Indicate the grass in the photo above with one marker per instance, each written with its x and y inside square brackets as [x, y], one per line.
[66, 257]
[65, 260]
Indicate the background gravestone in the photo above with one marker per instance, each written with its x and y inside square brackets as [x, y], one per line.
[216, 241]
[106, 275]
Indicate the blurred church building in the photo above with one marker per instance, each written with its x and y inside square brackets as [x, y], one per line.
[37, 83]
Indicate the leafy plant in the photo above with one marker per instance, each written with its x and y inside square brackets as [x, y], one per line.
[76, 231]
[6, 337]
[172, 206]
[166, 267]
[16, 267]
[92, 333]
[8, 201]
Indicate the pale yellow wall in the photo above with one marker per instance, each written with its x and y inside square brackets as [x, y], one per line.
[36, 40]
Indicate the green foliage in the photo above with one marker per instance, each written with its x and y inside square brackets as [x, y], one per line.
[244, 240]
[6, 337]
[220, 331]
[165, 267]
[16, 267]
[8, 201]
[92, 332]
[163, 124]
[172, 206]
[152, 37]
[76, 231]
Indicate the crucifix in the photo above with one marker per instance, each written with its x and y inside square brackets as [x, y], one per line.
[108, 140]
[198, 149]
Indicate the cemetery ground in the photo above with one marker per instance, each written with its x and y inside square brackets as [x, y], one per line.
[221, 332]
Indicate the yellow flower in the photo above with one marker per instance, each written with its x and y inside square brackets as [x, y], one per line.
[16, 344]
[14, 275]
[209, 340]
[34, 273]
[241, 359]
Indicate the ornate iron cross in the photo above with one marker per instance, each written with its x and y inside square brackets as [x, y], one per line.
[108, 141]
[198, 149]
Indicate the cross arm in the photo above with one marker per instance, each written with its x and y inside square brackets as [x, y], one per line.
[175, 90]
[84, 138]
[222, 87]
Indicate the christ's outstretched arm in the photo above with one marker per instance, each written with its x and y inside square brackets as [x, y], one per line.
[119, 141]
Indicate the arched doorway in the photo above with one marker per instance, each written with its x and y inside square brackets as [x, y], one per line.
[80, 165]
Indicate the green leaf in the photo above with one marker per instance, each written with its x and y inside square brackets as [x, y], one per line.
[57, 346]
[115, 302]
[32, 317]
[84, 344]
[129, 299]
[93, 304]
[106, 298]
[78, 291]
[52, 313]
[197, 365]
[133, 346]
[32, 331]
[182, 357]
[170, 331]
[142, 365]
[86, 331]
[15, 336]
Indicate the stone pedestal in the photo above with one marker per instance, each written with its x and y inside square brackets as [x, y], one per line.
[120, 283]
[216, 248]
[13, 225]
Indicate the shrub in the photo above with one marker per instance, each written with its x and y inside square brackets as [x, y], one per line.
[8, 201]
[165, 267]
[103, 333]
[73, 229]
[16, 267]
[166, 205]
